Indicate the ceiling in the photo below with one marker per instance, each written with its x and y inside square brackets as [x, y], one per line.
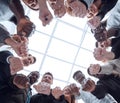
[62, 47]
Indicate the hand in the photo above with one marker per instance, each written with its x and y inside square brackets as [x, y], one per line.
[45, 16]
[57, 92]
[25, 27]
[58, 7]
[20, 48]
[21, 45]
[89, 86]
[21, 81]
[15, 64]
[94, 22]
[71, 89]
[100, 54]
[78, 8]
[42, 88]
[94, 69]
[20, 39]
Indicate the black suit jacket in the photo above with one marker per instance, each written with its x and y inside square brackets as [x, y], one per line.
[4, 70]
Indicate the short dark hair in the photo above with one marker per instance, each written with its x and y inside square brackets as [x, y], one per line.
[48, 73]
[33, 58]
[76, 73]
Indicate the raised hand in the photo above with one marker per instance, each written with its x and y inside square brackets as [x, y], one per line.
[57, 92]
[43, 88]
[21, 81]
[78, 8]
[94, 22]
[89, 86]
[44, 13]
[20, 45]
[58, 7]
[45, 16]
[15, 64]
[100, 54]
[94, 69]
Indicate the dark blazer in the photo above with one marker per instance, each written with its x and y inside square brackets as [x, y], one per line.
[9, 93]
[108, 84]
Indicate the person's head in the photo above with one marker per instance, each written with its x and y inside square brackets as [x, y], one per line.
[95, 75]
[32, 4]
[103, 44]
[28, 60]
[33, 76]
[48, 78]
[79, 76]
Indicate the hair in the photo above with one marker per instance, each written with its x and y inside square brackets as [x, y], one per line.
[76, 73]
[48, 73]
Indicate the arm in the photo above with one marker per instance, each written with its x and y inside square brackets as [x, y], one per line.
[88, 97]
[17, 9]
[24, 25]
[105, 69]
[4, 34]
[100, 91]
[4, 55]
[107, 6]
[115, 44]
[44, 13]
[101, 54]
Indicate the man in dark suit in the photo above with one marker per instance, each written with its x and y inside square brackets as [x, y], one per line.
[12, 85]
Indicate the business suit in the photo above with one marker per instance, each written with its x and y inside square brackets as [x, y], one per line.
[9, 93]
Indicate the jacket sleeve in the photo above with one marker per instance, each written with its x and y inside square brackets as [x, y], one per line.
[17, 8]
[107, 68]
[115, 44]
[4, 55]
[107, 6]
[4, 34]
[100, 90]
[61, 100]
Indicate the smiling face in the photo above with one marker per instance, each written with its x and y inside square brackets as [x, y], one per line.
[28, 60]
[32, 4]
[47, 78]
[34, 76]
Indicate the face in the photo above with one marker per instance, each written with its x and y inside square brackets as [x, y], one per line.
[47, 78]
[67, 90]
[28, 60]
[33, 4]
[79, 77]
[34, 77]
